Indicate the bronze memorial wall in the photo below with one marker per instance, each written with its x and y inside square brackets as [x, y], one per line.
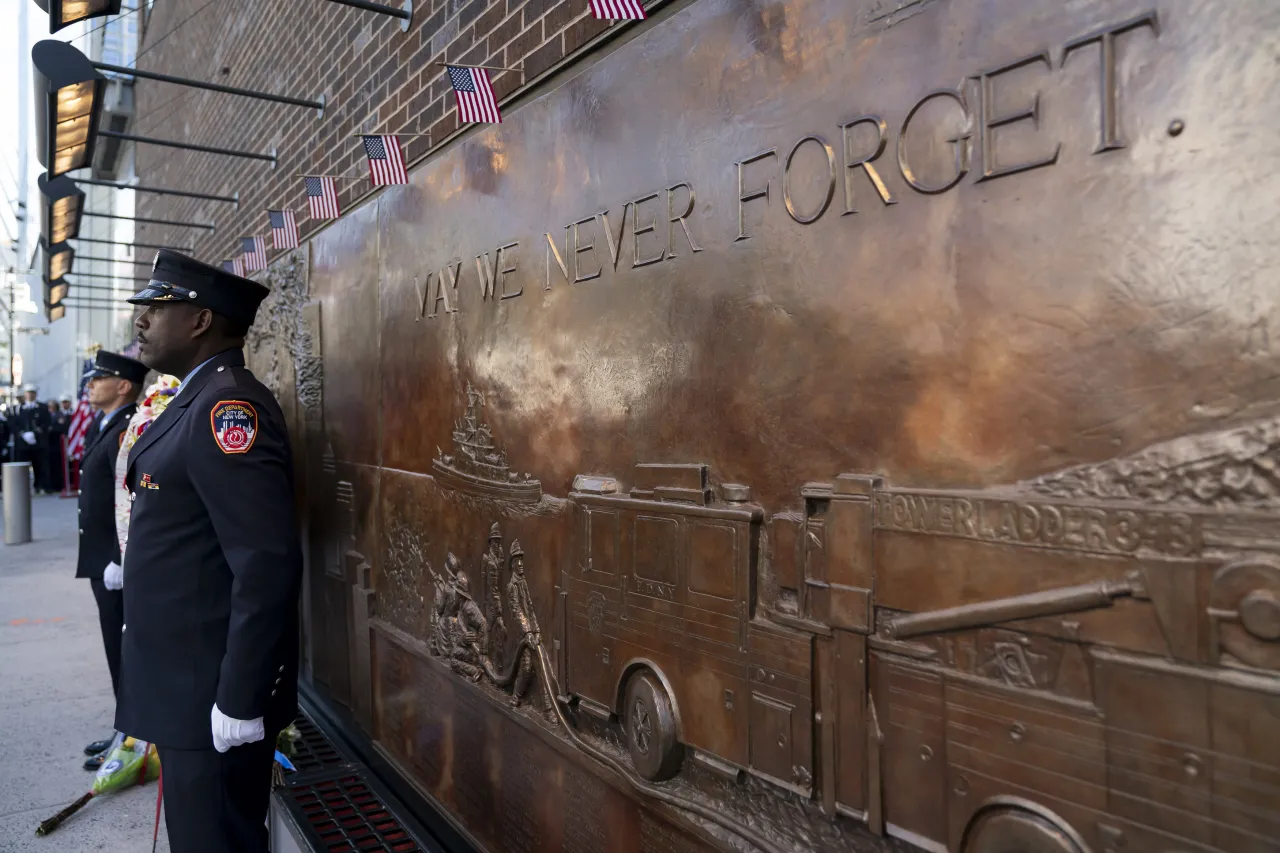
[818, 425]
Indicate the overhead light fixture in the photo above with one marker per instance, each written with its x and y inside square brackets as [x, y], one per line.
[55, 292]
[63, 13]
[57, 260]
[69, 94]
[54, 312]
[61, 203]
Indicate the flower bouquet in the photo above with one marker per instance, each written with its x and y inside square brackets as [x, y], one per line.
[129, 762]
[157, 398]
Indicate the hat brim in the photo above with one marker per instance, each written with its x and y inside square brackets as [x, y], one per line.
[158, 291]
[94, 374]
[149, 295]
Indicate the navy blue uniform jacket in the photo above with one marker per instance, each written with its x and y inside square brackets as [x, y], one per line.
[98, 542]
[212, 564]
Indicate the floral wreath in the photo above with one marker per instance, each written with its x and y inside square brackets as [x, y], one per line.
[156, 400]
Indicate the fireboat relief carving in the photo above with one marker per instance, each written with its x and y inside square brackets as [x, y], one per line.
[477, 465]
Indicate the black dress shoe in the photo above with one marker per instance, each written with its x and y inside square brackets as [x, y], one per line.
[99, 745]
[93, 762]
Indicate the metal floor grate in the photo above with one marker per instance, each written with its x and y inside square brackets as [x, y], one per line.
[344, 815]
[314, 751]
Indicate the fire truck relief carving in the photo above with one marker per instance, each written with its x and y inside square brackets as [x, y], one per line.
[985, 609]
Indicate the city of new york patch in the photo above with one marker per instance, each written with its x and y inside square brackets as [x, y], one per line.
[235, 425]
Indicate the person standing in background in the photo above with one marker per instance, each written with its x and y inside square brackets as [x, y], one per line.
[57, 433]
[113, 387]
[33, 436]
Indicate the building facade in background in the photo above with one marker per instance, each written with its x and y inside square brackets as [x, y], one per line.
[103, 274]
[826, 425]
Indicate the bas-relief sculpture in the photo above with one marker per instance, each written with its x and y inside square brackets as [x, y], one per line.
[886, 467]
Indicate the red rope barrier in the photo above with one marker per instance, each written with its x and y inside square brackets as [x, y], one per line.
[155, 836]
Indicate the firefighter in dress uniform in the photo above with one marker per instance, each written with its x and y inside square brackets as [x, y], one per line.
[32, 429]
[214, 564]
[114, 383]
[61, 418]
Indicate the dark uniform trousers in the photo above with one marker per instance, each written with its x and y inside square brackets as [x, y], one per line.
[216, 802]
[99, 544]
[212, 576]
[111, 620]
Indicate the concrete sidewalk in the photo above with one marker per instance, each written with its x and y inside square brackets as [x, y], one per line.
[55, 696]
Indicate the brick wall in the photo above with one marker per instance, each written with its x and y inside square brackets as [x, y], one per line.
[375, 78]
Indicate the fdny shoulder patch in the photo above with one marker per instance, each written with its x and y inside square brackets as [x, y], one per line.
[235, 425]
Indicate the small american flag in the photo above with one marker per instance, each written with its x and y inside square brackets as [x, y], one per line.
[476, 101]
[322, 195]
[255, 253]
[386, 163]
[284, 229]
[229, 266]
[618, 10]
[237, 265]
[79, 427]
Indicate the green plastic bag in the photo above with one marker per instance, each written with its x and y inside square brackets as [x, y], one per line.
[129, 762]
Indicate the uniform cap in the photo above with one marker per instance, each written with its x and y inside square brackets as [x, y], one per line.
[516, 550]
[495, 532]
[113, 364]
[178, 278]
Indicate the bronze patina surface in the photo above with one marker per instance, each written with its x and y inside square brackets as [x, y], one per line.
[856, 423]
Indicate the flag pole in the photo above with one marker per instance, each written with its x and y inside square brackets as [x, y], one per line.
[486, 67]
[336, 177]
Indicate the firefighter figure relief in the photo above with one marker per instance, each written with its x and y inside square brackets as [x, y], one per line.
[459, 630]
[521, 604]
[471, 638]
[491, 563]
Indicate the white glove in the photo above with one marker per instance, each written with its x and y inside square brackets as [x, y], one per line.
[229, 732]
[113, 576]
[29, 437]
